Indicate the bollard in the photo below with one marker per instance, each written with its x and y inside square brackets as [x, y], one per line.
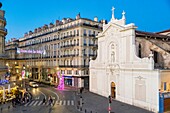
[1, 109]
[85, 111]
[8, 107]
[91, 112]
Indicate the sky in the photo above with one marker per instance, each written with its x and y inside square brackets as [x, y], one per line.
[25, 15]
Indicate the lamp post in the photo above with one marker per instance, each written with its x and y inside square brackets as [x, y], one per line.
[23, 75]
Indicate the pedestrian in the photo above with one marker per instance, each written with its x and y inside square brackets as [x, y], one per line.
[23, 100]
[27, 99]
[44, 100]
[50, 100]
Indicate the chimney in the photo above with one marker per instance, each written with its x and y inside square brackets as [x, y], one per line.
[51, 25]
[78, 16]
[64, 20]
[35, 30]
[45, 27]
[39, 29]
[26, 34]
[57, 22]
[30, 33]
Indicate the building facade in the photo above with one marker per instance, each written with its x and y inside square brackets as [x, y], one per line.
[60, 49]
[132, 66]
[3, 33]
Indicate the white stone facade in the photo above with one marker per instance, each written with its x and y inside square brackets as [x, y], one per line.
[136, 81]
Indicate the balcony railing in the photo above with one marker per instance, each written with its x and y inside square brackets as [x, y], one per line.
[2, 18]
[73, 66]
[3, 29]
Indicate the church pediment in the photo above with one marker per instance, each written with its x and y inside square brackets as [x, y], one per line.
[112, 28]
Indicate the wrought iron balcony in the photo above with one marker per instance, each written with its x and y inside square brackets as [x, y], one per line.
[3, 29]
[3, 18]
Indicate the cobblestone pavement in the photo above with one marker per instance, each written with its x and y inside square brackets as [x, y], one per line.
[94, 103]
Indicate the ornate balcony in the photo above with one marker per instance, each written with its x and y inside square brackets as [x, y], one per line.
[3, 30]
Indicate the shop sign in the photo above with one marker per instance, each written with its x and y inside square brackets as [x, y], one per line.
[4, 81]
[30, 51]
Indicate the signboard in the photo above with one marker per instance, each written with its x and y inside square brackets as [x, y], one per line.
[30, 51]
[4, 81]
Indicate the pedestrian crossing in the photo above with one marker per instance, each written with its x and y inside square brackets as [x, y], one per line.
[55, 103]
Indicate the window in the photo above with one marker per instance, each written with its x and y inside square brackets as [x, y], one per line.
[70, 42]
[94, 33]
[155, 56]
[74, 32]
[89, 41]
[74, 52]
[89, 32]
[85, 32]
[84, 62]
[84, 41]
[76, 72]
[70, 32]
[84, 51]
[77, 32]
[139, 52]
[89, 50]
[71, 62]
[77, 41]
[77, 51]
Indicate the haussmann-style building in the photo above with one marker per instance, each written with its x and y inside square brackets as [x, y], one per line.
[3, 33]
[60, 49]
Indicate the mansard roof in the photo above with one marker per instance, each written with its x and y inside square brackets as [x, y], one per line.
[151, 35]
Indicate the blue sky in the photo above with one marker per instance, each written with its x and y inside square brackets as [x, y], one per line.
[25, 15]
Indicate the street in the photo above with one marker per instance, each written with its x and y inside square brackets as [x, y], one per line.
[63, 101]
[66, 101]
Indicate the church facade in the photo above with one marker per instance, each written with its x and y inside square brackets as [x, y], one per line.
[125, 72]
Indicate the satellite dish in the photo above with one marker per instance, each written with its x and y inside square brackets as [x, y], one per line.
[0, 4]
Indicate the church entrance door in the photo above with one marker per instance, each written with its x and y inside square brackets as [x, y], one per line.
[113, 90]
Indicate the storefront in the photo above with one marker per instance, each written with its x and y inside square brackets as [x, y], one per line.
[34, 73]
[68, 80]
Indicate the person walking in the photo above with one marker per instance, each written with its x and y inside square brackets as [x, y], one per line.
[44, 100]
[50, 100]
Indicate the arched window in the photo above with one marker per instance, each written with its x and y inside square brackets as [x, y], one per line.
[155, 56]
[140, 51]
[112, 58]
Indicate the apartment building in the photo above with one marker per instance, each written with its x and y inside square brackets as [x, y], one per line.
[3, 33]
[60, 49]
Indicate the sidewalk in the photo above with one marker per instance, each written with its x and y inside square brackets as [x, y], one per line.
[94, 103]
[6, 106]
